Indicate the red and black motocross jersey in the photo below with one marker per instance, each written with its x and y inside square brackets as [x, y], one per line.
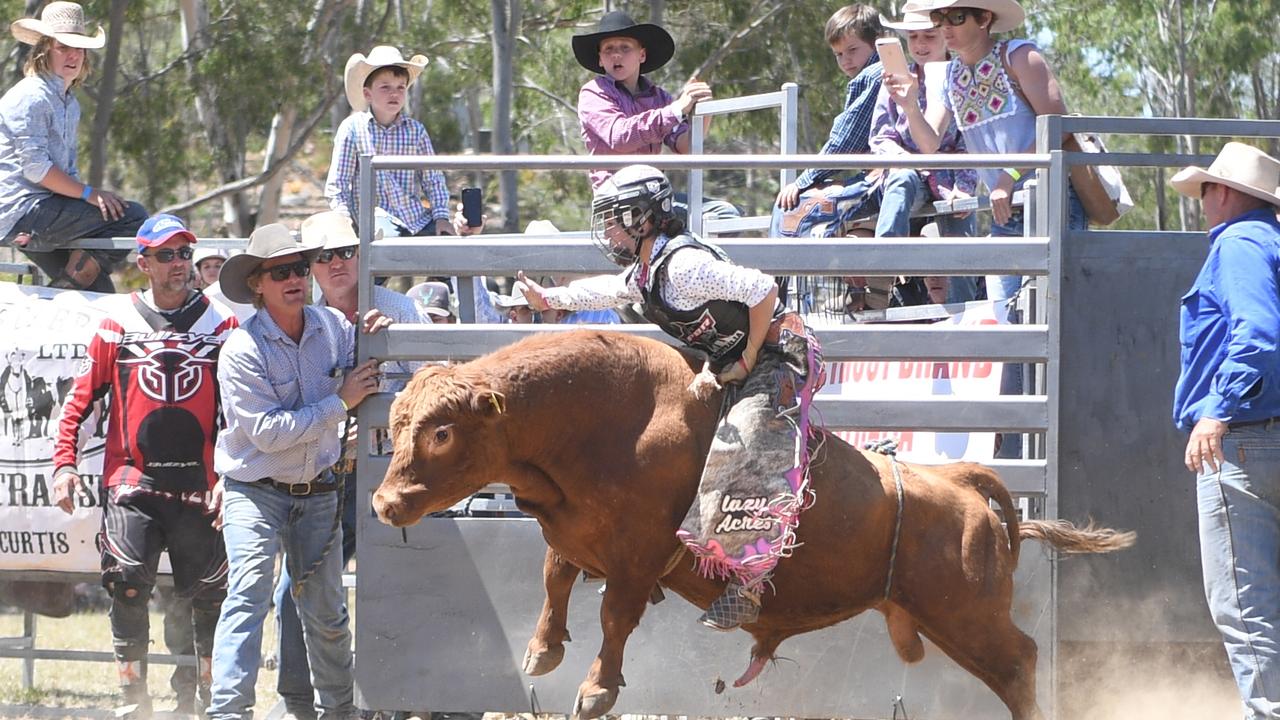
[161, 371]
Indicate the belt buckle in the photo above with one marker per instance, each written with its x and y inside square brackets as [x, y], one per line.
[301, 489]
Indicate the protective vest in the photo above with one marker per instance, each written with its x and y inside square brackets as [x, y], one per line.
[718, 327]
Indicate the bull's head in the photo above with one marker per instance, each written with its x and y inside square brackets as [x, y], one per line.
[447, 444]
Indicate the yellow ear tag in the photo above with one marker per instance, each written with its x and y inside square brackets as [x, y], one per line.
[496, 401]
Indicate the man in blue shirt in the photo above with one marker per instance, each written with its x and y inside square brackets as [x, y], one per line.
[1228, 398]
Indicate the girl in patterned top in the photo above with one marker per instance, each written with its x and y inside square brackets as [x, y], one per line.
[767, 362]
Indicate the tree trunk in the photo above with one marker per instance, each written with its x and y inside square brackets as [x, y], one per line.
[506, 24]
[281, 133]
[655, 11]
[106, 94]
[228, 155]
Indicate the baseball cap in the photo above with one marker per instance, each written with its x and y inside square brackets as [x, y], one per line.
[432, 297]
[159, 228]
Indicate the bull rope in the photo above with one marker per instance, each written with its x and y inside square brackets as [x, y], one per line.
[889, 448]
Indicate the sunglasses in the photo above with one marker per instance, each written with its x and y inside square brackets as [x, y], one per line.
[280, 273]
[955, 17]
[167, 255]
[326, 256]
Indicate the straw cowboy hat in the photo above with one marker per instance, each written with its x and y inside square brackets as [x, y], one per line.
[330, 230]
[268, 241]
[658, 45]
[1239, 167]
[915, 16]
[360, 67]
[1008, 13]
[62, 21]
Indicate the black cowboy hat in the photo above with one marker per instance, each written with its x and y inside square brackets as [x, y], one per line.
[657, 43]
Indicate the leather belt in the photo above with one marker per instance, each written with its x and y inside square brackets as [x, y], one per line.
[300, 489]
[1252, 423]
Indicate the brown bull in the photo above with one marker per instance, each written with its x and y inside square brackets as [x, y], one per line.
[600, 440]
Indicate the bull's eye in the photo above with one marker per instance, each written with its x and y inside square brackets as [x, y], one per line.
[442, 435]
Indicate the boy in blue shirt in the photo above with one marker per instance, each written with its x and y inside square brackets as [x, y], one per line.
[376, 88]
[851, 32]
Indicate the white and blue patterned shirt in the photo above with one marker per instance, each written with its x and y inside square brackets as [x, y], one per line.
[402, 309]
[399, 192]
[280, 398]
[38, 122]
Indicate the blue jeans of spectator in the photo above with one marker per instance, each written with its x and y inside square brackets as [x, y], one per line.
[294, 679]
[258, 522]
[905, 192]
[57, 220]
[1239, 543]
[1006, 287]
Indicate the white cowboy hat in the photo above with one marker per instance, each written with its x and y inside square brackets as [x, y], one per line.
[266, 242]
[62, 21]
[360, 66]
[915, 16]
[1008, 13]
[330, 230]
[1240, 167]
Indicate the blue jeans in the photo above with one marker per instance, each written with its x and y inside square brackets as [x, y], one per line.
[1006, 287]
[258, 522]
[57, 220]
[905, 192]
[1239, 546]
[294, 679]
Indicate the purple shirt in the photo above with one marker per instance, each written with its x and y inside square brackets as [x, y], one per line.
[891, 135]
[615, 122]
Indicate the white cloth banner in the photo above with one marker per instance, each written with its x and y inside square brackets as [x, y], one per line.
[43, 339]
[900, 380]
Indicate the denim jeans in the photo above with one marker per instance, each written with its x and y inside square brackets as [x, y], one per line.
[57, 220]
[1006, 287]
[1239, 546]
[294, 679]
[905, 192]
[258, 522]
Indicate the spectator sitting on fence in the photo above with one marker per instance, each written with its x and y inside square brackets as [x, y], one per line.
[377, 88]
[155, 354]
[906, 191]
[335, 259]
[851, 32]
[288, 384]
[207, 263]
[44, 205]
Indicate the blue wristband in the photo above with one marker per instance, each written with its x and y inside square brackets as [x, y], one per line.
[84, 194]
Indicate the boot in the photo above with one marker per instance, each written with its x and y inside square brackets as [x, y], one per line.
[137, 700]
[735, 607]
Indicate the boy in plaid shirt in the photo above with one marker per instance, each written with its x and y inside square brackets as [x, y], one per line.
[376, 88]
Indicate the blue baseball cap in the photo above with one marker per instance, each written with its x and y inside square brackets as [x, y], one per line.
[158, 229]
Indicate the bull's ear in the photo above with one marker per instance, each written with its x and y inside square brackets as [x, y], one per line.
[489, 403]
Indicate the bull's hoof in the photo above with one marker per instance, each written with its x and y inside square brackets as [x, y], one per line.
[541, 662]
[593, 704]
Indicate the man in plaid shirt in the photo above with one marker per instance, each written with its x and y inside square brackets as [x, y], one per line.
[376, 88]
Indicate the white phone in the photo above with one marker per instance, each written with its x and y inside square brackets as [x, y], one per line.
[891, 56]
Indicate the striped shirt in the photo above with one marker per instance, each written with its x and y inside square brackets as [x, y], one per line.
[280, 398]
[399, 192]
[402, 309]
[851, 130]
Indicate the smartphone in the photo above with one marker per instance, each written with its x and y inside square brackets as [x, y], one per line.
[471, 206]
[891, 56]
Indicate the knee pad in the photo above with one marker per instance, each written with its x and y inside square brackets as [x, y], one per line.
[130, 594]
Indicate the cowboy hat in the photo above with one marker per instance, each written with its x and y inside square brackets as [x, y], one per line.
[1238, 166]
[360, 67]
[915, 16]
[657, 43]
[1008, 13]
[62, 21]
[330, 230]
[268, 241]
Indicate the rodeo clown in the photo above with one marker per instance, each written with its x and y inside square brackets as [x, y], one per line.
[767, 361]
[156, 355]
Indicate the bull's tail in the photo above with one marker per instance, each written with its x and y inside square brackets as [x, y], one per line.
[988, 484]
[1067, 538]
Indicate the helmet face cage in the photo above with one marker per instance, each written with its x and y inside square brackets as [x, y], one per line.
[621, 210]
